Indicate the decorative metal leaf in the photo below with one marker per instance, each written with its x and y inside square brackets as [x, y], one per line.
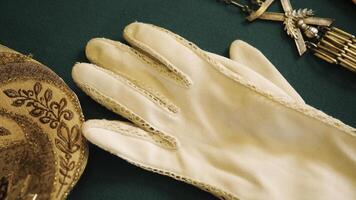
[73, 139]
[61, 145]
[11, 93]
[48, 95]
[63, 172]
[62, 103]
[302, 13]
[63, 132]
[18, 102]
[289, 26]
[25, 92]
[37, 88]
[30, 103]
[63, 163]
[75, 134]
[291, 19]
[71, 165]
[36, 112]
[45, 119]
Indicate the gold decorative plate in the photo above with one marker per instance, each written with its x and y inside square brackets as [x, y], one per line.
[42, 150]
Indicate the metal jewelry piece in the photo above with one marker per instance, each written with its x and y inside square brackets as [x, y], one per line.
[328, 43]
[42, 150]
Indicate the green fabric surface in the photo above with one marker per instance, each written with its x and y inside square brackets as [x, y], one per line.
[56, 32]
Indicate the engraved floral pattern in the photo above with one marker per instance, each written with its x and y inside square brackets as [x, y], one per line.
[55, 114]
[48, 111]
[17, 70]
[67, 142]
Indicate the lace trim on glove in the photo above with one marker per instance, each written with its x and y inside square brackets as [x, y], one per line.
[123, 128]
[144, 90]
[153, 95]
[156, 66]
[302, 108]
[221, 194]
[181, 77]
[159, 138]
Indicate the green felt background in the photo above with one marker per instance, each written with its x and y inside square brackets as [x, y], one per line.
[56, 32]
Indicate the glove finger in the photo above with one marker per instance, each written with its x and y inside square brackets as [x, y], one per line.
[251, 76]
[136, 146]
[165, 47]
[121, 137]
[131, 143]
[182, 57]
[125, 98]
[249, 56]
[122, 59]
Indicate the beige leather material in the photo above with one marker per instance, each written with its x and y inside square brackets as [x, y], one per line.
[238, 64]
[235, 133]
[250, 56]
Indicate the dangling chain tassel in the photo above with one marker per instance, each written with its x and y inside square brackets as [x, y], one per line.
[308, 32]
[336, 46]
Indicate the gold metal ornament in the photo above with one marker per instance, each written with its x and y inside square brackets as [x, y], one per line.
[308, 32]
[42, 150]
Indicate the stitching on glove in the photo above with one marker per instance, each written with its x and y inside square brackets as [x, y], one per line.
[157, 98]
[159, 138]
[221, 194]
[182, 78]
[302, 108]
[128, 130]
[154, 96]
[151, 62]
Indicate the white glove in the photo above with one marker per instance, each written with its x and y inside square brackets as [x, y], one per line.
[248, 56]
[225, 129]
